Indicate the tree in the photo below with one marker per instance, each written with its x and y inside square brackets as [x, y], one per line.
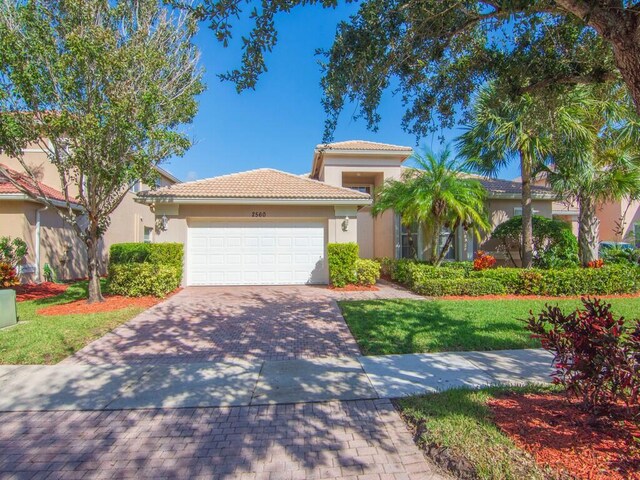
[501, 131]
[435, 195]
[605, 168]
[102, 87]
[438, 52]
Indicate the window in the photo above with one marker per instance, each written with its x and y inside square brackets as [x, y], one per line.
[406, 250]
[636, 234]
[361, 188]
[518, 211]
[136, 187]
[450, 254]
[148, 234]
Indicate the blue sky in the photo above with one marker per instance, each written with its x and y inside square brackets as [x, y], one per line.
[279, 123]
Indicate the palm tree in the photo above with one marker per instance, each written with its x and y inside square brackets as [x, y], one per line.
[606, 168]
[503, 130]
[435, 195]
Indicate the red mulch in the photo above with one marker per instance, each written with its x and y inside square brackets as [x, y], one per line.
[533, 297]
[558, 434]
[37, 291]
[111, 303]
[355, 288]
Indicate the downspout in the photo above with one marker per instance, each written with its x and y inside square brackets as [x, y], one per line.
[37, 242]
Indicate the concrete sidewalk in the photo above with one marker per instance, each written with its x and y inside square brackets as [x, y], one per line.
[244, 383]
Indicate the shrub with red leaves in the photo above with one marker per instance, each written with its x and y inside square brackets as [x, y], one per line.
[8, 276]
[483, 260]
[596, 263]
[596, 358]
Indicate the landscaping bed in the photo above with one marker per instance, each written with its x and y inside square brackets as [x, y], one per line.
[110, 304]
[527, 432]
[36, 291]
[383, 327]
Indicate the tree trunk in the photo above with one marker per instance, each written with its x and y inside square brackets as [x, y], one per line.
[446, 246]
[413, 251]
[588, 230]
[527, 211]
[95, 292]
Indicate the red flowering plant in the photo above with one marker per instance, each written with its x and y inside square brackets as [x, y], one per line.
[595, 357]
[8, 275]
[599, 263]
[483, 260]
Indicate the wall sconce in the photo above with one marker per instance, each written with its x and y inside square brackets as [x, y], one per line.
[161, 223]
[345, 224]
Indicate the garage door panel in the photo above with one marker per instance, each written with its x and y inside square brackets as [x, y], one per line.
[240, 254]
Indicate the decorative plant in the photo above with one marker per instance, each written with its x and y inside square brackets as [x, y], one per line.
[595, 357]
[12, 251]
[49, 274]
[483, 260]
[599, 263]
[8, 276]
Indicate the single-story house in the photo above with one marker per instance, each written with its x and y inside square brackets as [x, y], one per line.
[270, 227]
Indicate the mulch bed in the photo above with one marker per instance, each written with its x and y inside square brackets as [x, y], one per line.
[533, 297]
[355, 288]
[111, 303]
[558, 434]
[37, 291]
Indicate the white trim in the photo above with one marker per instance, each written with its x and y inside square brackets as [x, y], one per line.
[27, 198]
[252, 201]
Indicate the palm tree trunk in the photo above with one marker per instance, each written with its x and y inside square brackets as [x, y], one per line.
[413, 251]
[588, 230]
[527, 210]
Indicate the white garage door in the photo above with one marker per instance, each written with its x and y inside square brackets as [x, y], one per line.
[256, 254]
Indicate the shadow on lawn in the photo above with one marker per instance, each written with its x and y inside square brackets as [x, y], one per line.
[398, 326]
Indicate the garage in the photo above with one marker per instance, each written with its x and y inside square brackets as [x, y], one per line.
[266, 253]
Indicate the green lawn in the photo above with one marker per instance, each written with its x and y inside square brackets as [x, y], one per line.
[38, 339]
[411, 326]
[460, 421]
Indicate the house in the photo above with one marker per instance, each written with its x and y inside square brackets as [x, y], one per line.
[270, 227]
[52, 241]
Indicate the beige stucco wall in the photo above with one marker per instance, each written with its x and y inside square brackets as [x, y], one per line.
[182, 216]
[59, 245]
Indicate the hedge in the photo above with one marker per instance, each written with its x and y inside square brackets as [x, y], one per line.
[367, 271]
[139, 279]
[342, 259]
[430, 280]
[156, 253]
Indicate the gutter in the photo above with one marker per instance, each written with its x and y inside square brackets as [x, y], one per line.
[21, 197]
[253, 201]
[37, 242]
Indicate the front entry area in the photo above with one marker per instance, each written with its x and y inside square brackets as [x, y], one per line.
[265, 253]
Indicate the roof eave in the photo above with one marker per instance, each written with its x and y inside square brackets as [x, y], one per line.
[26, 198]
[517, 196]
[253, 201]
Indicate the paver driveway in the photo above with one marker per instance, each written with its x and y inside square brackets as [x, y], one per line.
[216, 323]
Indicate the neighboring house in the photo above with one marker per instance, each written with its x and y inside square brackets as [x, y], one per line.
[52, 241]
[271, 227]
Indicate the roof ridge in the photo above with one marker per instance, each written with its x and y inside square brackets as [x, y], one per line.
[329, 144]
[206, 179]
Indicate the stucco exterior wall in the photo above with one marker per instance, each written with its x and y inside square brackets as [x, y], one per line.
[181, 217]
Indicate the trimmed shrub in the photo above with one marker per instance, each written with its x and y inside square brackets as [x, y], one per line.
[140, 279]
[367, 271]
[458, 286]
[387, 266]
[156, 253]
[418, 273]
[595, 359]
[342, 259]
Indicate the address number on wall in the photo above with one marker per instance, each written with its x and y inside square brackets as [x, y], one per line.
[259, 214]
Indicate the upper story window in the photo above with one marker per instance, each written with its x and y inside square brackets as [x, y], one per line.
[518, 211]
[136, 187]
[361, 188]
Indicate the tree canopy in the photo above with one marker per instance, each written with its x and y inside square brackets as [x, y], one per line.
[102, 88]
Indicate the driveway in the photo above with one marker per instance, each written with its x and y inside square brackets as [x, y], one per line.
[222, 323]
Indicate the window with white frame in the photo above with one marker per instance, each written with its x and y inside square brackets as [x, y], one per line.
[360, 188]
[518, 211]
[148, 235]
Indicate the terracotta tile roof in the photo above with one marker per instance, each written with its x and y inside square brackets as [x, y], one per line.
[261, 183]
[362, 145]
[499, 186]
[6, 187]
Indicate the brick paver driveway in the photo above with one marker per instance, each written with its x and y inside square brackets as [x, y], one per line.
[216, 323]
[348, 440]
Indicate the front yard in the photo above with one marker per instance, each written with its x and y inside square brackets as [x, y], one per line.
[40, 339]
[384, 327]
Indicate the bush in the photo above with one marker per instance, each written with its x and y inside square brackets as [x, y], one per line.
[342, 259]
[458, 286]
[367, 271]
[156, 253]
[621, 255]
[8, 275]
[483, 260]
[554, 244]
[594, 358]
[139, 279]
[387, 266]
[12, 251]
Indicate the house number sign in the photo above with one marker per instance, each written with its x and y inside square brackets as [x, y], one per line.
[258, 214]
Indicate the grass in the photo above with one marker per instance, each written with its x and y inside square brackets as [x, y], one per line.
[39, 339]
[384, 327]
[460, 420]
